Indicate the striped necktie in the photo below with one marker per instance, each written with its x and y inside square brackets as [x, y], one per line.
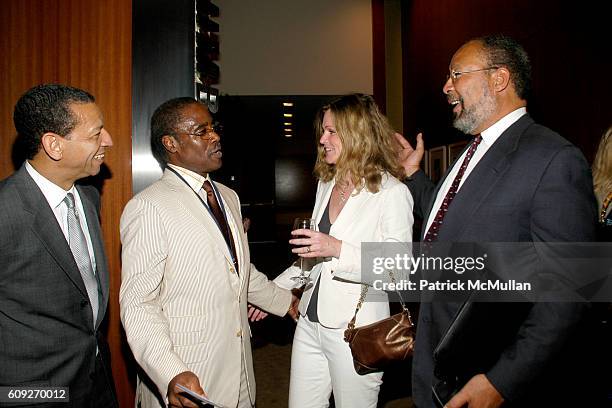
[78, 246]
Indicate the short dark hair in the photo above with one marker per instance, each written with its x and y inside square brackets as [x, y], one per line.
[46, 108]
[504, 51]
[165, 121]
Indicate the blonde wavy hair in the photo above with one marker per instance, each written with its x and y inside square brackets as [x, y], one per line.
[602, 167]
[369, 146]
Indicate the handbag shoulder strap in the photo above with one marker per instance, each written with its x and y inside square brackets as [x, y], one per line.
[362, 296]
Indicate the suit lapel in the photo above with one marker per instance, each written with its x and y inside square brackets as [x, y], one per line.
[47, 230]
[95, 233]
[192, 204]
[482, 180]
[350, 212]
[325, 193]
[234, 221]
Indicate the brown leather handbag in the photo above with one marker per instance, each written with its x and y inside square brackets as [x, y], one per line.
[376, 345]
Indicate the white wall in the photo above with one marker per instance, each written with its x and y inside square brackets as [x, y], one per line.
[295, 47]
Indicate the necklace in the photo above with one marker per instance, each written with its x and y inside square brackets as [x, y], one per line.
[343, 193]
[602, 214]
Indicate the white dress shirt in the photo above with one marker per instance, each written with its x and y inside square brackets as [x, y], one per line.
[55, 195]
[489, 137]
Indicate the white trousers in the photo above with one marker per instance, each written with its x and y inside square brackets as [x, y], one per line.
[321, 362]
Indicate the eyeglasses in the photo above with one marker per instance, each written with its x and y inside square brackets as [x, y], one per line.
[454, 75]
[207, 132]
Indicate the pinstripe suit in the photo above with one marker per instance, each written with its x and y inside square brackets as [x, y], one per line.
[183, 306]
[47, 333]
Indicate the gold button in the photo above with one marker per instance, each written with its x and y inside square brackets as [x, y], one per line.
[232, 270]
[239, 333]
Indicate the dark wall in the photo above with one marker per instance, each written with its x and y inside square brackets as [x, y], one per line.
[162, 68]
[568, 43]
[271, 173]
[263, 165]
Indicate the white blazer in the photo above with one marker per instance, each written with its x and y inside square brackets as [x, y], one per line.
[385, 216]
[183, 306]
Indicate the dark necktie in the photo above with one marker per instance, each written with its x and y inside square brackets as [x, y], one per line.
[78, 246]
[432, 232]
[221, 222]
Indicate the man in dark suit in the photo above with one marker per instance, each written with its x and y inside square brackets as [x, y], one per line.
[53, 272]
[516, 182]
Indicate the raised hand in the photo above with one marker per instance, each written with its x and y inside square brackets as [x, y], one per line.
[410, 158]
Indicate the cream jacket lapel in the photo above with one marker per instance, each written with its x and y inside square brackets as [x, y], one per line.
[194, 205]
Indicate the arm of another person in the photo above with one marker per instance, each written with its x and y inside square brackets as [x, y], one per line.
[144, 253]
[562, 211]
[267, 295]
[262, 292]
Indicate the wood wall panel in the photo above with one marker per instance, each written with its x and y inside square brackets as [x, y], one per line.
[569, 45]
[83, 43]
[378, 54]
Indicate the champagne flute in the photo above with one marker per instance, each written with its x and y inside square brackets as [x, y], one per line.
[303, 223]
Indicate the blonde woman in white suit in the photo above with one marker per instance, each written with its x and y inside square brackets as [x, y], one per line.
[359, 199]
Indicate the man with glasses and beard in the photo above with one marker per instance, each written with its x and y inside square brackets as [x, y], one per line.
[516, 182]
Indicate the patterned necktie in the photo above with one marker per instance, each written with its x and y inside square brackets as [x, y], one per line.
[221, 222]
[432, 232]
[78, 246]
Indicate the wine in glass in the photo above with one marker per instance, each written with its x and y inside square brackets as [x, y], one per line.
[303, 223]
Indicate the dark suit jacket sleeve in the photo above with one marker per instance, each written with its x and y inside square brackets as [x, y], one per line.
[562, 211]
[422, 190]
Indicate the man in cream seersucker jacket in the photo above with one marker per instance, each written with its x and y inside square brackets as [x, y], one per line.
[183, 295]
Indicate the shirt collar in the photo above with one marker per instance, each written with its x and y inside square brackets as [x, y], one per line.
[192, 178]
[53, 193]
[490, 135]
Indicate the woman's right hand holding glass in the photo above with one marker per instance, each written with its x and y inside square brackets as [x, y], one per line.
[313, 244]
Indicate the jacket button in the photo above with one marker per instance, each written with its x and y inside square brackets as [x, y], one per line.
[232, 270]
[84, 303]
[239, 333]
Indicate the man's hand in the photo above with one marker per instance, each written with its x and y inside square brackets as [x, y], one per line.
[293, 308]
[186, 379]
[477, 393]
[409, 157]
[256, 314]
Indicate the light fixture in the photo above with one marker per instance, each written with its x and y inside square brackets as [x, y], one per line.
[287, 103]
[287, 123]
[288, 115]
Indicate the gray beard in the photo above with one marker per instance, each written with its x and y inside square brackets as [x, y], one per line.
[471, 118]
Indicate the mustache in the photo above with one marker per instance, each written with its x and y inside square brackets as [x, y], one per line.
[216, 147]
[454, 98]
